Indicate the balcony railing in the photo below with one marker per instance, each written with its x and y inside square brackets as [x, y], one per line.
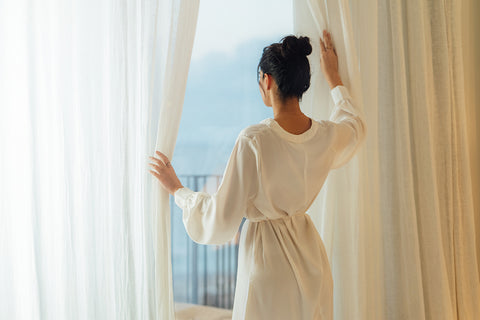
[202, 274]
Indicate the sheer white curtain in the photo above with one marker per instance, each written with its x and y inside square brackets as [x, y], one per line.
[81, 109]
[178, 39]
[398, 220]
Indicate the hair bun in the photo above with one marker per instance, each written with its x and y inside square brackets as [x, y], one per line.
[296, 47]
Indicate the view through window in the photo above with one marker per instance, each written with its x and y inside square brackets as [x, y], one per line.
[222, 98]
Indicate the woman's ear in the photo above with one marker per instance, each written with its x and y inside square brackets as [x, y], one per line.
[268, 81]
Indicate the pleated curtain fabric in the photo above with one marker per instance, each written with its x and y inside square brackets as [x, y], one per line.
[174, 72]
[88, 90]
[471, 61]
[398, 220]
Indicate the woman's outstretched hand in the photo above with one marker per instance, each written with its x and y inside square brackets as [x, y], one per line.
[329, 61]
[164, 172]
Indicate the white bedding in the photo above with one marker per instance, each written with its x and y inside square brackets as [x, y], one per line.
[188, 311]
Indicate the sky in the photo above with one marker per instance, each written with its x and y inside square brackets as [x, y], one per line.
[222, 94]
[224, 24]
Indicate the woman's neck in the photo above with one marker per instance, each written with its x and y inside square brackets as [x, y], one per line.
[289, 108]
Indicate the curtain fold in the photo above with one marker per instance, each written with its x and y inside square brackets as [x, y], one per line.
[176, 63]
[398, 220]
[471, 57]
[84, 228]
[346, 210]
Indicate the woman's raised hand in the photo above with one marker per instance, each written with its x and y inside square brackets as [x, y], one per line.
[329, 61]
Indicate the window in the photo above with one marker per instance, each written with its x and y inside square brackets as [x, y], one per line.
[222, 98]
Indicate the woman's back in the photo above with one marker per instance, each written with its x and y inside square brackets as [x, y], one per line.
[271, 179]
[293, 167]
[291, 170]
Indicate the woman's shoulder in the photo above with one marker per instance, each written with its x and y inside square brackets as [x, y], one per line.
[254, 131]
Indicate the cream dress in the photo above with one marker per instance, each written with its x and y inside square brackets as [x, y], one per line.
[272, 177]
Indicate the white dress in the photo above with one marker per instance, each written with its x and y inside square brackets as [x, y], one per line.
[272, 177]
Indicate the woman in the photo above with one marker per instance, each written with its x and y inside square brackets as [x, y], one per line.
[274, 173]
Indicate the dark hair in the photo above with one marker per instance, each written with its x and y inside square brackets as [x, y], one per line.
[288, 64]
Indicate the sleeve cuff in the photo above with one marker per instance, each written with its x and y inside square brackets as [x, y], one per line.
[181, 196]
[339, 93]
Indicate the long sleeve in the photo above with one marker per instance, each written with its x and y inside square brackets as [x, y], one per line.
[350, 128]
[215, 218]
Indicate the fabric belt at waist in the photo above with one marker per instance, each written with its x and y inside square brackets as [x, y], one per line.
[290, 216]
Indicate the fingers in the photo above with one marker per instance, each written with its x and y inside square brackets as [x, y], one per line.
[159, 165]
[154, 166]
[162, 156]
[160, 162]
[155, 174]
[326, 42]
[328, 39]
[322, 46]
